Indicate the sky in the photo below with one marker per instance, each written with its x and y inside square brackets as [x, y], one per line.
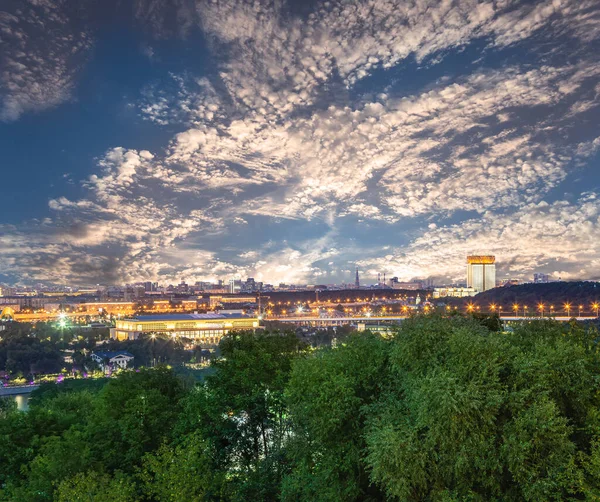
[196, 140]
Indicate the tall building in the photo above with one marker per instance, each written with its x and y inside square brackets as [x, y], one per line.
[541, 278]
[481, 272]
[357, 280]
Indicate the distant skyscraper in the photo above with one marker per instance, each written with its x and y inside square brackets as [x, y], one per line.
[541, 278]
[481, 272]
[357, 281]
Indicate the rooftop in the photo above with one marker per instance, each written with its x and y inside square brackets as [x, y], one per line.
[107, 354]
[186, 317]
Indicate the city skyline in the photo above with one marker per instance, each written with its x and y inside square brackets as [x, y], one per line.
[295, 141]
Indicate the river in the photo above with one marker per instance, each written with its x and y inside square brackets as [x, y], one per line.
[19, 394]
[22, 400]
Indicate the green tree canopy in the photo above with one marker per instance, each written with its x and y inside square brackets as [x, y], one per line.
[476, 415]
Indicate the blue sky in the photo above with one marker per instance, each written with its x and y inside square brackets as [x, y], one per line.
[196, 140]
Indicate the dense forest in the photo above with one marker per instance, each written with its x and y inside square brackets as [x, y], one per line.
[445, 410]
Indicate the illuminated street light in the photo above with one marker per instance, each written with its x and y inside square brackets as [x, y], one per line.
[516, 309]
[541, 309]
[596, 306]
[62, 320]
[568, 309]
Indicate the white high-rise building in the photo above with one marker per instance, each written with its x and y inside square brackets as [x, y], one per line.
[481, 272]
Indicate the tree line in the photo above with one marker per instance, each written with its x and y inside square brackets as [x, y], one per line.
[31, 350]
[444, 410]
[584, 293]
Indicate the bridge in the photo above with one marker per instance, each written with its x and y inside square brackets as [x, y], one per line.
[340, 321]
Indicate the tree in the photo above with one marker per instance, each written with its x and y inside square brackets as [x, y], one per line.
[94, 486]
[476, 415]
[136, 413]
[184, 471]
[241, 413]
[22, 353]
[327, 396]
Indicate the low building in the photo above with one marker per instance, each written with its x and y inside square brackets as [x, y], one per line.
[205, 329]
[394, 283]
[454, 292]
[220, 300]
[111, 308]
[375, 327]
[112, 360]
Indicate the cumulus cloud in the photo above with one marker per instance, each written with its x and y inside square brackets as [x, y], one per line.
[40, 53]
[558, 238]
[307, 119]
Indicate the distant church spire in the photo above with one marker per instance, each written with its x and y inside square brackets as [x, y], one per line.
[357, 280]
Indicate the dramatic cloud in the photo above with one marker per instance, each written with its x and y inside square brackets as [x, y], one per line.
[399, 135]
[560, 237]
[41, 50]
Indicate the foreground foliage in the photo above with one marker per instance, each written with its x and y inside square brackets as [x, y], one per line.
[446, 410]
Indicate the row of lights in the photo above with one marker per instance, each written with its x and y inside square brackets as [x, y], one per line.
[470, 308]
[541, 308]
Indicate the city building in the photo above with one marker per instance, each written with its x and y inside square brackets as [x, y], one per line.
[223, 301]
[394, 283]
[541, 278]
[110, 361]
[383, 329]
[235, 286]
[205, 329]
[451, 292]
[109, 308]
[481, 272]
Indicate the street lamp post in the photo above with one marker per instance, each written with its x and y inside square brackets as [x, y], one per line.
[541, 309]
[568, 309]
[516, 309]
[596, 306]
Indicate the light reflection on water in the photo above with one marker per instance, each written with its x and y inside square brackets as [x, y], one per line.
[22, 401]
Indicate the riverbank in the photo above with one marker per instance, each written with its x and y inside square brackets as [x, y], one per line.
[17, 389]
